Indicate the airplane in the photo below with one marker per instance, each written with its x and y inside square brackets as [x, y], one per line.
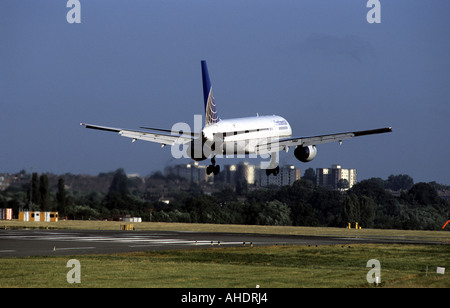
[257, 135]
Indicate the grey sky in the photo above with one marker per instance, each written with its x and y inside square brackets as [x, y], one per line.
[134, 63]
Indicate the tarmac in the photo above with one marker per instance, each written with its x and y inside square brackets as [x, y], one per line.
[24, 243]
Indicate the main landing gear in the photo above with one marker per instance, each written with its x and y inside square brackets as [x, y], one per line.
[273, 163]
[213, 168]
[274, 171]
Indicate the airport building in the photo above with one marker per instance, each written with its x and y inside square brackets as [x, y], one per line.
[6, 214]
[331, 177]
[38, 216]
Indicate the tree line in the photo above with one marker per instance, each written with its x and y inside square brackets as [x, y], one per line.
[418, 206]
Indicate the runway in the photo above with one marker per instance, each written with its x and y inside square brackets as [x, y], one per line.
[22, 243]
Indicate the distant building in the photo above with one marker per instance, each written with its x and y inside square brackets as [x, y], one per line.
[6, 214]
[253, 175]
[4, 181]
[193, 172]
[243, 171]
[232, 174]
[331, 176]
[287, 176]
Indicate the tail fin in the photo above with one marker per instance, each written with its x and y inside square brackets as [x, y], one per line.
[210, 107]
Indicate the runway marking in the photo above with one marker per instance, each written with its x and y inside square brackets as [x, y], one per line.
[6, 251]
[74, 248]
[198, 243]
[137, 240]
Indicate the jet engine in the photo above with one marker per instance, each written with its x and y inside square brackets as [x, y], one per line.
[305, 154]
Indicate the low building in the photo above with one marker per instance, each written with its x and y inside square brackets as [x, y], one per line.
[6, 214]
[38, 216]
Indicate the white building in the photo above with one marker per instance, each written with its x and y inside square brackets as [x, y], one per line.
[192, 172]
[331, 176]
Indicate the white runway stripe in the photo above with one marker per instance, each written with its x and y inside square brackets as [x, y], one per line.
[138, 240]
[74, 248]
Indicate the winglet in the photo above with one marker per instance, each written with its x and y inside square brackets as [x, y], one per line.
[208, 97]
[105, 128]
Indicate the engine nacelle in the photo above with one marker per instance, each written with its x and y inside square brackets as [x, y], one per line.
[305, 154]
[198, 151]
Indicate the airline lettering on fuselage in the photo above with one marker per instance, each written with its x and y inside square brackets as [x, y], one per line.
[280, 122]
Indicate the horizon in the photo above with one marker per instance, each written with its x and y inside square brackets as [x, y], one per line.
[302, 170]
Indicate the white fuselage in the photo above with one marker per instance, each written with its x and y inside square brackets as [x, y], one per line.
[243, 135]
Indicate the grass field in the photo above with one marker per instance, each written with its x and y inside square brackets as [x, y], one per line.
[243, 267]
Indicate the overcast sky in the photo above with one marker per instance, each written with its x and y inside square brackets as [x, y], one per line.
[132, 63]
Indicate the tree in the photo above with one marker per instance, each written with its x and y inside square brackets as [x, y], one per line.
[119, 183]
[61, 195]
[35, 194]
[367, 212]
[399, 182]
[310, 175]
[44, 190]
[351, 208]
[274, 213]
[343, 184]
[118, 195]
[203, 209]
[371, 188]
[423, 194]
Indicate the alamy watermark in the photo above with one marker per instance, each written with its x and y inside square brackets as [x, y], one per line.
[74, 14]
[374, 14]
[74, 275]
[374, 275]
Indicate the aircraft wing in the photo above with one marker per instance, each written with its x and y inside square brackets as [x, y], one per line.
[165, 139]
[282, 144]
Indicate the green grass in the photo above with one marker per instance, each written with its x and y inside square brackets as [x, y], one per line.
[219, 267]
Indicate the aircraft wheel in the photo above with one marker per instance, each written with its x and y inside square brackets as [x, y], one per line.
[209, 169]
[276, 171]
